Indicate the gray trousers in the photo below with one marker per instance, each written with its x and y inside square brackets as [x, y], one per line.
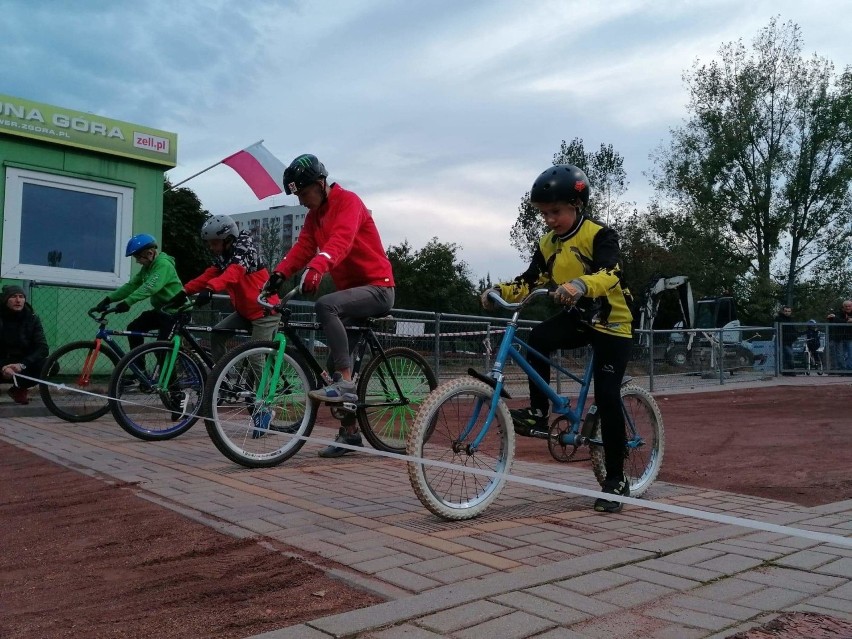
[263, 328]
[336, 310]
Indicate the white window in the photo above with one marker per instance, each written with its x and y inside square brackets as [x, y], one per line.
[65, 230]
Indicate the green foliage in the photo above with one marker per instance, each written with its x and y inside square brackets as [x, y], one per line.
[432, 279]
[270, 244]
[758, 179]
[182, 220]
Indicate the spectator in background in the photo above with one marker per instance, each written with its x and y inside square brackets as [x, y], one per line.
[23, 347]
[812, 344]
[786, 337]
[841, 336]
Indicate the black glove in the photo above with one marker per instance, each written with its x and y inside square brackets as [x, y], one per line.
[204, 297]
[102, 305]
[178, 300]
[121, 307]
[273, 286]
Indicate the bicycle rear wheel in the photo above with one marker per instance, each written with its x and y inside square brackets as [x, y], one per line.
[449, 420]
[645, 440]
[259, 434]
[76, 367]
[386, 417]
[149, 407]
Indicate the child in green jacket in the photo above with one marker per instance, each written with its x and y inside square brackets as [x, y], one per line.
[157, 280]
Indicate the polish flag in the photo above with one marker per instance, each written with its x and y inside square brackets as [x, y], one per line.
[262, 171]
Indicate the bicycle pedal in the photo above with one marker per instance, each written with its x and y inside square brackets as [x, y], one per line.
[349, 408]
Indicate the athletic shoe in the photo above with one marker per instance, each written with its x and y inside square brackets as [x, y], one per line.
[337, 451]
[618, 486]
[338, 392]
[261, 420]
[19, 394]
[528, 421]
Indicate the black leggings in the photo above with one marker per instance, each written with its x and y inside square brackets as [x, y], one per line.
[565, 330]
[149, 321]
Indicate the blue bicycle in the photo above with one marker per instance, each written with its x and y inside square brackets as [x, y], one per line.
[465, 424]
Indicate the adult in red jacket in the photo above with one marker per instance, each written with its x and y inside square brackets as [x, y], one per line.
[237, 269]
[340, 238]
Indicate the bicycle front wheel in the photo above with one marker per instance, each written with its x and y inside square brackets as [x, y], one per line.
[386, 415]
[150, 407]
[645, 440]
[442, 436]
[81, 372]
[253, 432]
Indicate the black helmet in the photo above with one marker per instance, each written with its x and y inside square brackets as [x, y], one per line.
[304, 170]
[561, 183]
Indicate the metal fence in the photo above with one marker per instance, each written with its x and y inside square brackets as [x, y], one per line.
[677, 359]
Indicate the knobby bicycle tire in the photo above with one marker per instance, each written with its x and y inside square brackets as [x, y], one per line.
[252, 434]
[145, 410]
[65, 366]
[454, 493]
[643, 463]
[385, 426]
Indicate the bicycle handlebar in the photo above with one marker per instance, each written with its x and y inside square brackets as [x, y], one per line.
[282, 301]
[494, 296]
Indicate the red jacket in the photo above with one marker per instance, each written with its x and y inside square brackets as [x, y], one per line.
[238, 272]
[340, 238]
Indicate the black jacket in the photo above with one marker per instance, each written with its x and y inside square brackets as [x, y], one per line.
[844, 328]
[21, 337]
[788, 333]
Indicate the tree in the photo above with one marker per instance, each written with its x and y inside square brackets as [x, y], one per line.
[761, 171]
[432, 278]
[605, 170]
[270, 244]
[182, 220]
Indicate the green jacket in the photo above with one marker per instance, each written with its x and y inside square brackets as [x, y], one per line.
[159, 281]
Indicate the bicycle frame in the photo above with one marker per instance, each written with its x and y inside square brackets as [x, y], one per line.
[287, 331]
[183, 331]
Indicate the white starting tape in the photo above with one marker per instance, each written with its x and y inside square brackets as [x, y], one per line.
[547, 485]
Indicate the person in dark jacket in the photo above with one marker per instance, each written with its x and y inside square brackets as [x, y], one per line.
[841, 335]
[787, 336]
[23, 347]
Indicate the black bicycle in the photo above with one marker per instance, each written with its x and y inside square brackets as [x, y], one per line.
[256, 398]
[156, 389]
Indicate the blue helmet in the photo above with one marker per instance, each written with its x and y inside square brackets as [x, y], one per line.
[140, 243]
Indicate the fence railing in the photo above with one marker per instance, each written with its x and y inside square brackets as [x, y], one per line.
[662, 359]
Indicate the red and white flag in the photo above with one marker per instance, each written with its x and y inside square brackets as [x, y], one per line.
[262, 171]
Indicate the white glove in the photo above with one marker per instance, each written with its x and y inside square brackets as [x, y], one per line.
[487, 304]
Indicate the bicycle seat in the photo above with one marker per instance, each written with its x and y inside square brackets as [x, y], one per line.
[363, 322]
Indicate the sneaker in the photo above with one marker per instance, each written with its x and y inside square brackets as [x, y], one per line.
[261, 420]
[618, 486]
[20, 395]
[336, 451]
[528, 421]
[337, 392]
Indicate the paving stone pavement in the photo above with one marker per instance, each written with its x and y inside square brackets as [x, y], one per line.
[536, 564]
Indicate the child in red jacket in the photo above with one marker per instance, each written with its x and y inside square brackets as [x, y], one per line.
[236, 269]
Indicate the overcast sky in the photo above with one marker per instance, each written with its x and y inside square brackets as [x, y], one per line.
[438, 113]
